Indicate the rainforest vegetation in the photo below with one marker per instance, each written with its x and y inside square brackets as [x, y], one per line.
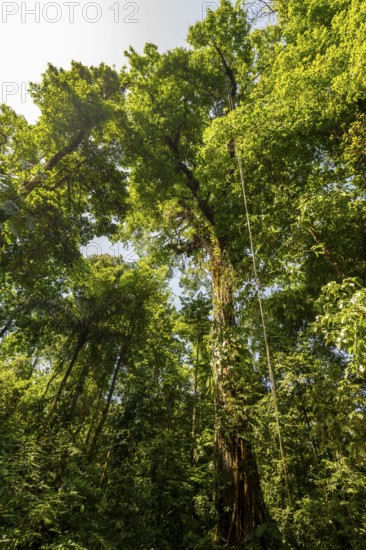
[234, 416]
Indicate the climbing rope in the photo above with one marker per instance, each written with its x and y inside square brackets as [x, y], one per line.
[261, 309]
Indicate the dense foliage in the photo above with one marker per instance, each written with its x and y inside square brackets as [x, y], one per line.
[125, 421]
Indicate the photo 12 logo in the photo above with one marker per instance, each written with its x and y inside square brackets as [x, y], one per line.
[117, 250]
[71, 12]
[208, 6]
[11, 89]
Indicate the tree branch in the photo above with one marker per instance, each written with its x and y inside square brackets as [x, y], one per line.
[30, 185]
[327, 252]
[192, 183]
[229, 73]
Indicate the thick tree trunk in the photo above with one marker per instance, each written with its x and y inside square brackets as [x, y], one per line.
[239, 501]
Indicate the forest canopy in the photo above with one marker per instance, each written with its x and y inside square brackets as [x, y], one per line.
[236, 419]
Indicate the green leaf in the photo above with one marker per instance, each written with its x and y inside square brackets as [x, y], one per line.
[10, 208]
[31, 223]
[13, 230]
[261, 529]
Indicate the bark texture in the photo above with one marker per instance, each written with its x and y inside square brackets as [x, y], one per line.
[239, 500]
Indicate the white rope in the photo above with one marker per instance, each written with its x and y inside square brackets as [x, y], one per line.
[261, 309]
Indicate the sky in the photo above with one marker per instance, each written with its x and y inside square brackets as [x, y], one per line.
[34, 33]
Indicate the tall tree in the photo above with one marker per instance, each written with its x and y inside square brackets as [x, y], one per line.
[175, 187]
[114, 434]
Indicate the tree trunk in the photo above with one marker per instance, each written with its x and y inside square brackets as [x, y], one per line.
[106, 408]
[239, 501]
[79, 346]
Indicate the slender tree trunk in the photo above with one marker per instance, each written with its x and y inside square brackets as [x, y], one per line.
[239, 502]
[79, 346]
[162, 473]
[78, 390]
[105, 411]
[121, 357]
[194, 428]
[96, 410]
[194, 410]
